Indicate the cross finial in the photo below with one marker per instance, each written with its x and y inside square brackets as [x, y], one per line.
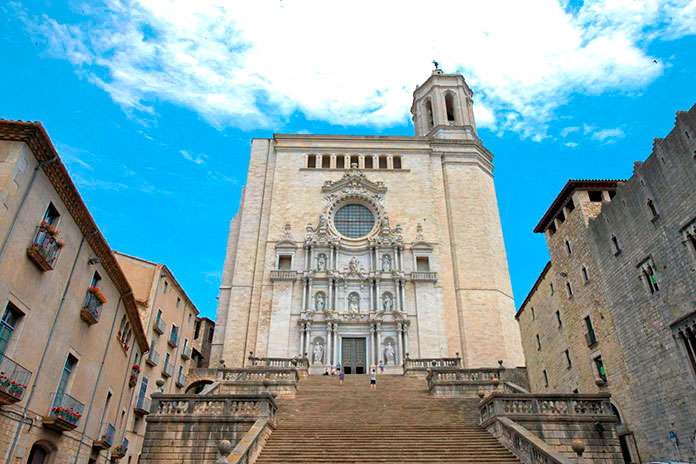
[437, 65]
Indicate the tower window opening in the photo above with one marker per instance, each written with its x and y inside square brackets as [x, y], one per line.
[552, 228]
[340, 162]
[653, 210]
[383, 162]
[570, 205]
[326, 162]
[585, 275]
[312, 161]
[546, 379]
[570, 290]
[568, 249]
[595, 195]
[354, 161]
[368, 162]
[561, 217]
[650, 278]
[396, 161]
[615, 245]
[612, 194]
[429, 114]
[449, 104]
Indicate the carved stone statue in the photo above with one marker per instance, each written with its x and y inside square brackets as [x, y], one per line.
[388, 304]
[318, 354]
[321, 262]
[322, 220]
[319, 302]
[354, 265]
[390, 354]
[354, 303]
[386, 263]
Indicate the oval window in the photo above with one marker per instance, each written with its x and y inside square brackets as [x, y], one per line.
[354, 221]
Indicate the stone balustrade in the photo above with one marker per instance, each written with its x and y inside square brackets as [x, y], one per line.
[250, 380]
[283, 275]
[188, 427]
[419, 366]
[454, 381]
[424, 276]
[556, 420]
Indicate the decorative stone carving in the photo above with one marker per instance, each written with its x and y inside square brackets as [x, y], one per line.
[419, 232]
[354, 303]
[287, 235]
[387, 303]
[317, 353]
[354, 265]
[386, 263]
[321, 262]
[390, 354]
[319, 302]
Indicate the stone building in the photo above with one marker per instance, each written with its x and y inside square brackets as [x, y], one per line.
[356, 249]
[203, 333]
[168, 316]
[615, 309]
[69, 328]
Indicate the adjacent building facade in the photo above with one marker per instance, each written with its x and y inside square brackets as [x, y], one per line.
[203, 333]
[615, 309]
[168, 316]
[69, 327]
[356, 249]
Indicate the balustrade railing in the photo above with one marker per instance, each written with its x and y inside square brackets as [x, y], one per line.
[186, 352]
[160, 326]
[424, 276]
[425, 363]
[283, 275]
[520, 405]
[13, 380]
[299, 363]
[248, 447]
[173, 339]
[45, 248]
[121, 449]
[230, 406]
[143, 404]
[108, 436]
[260, 374]
[527, 447]
[181, 379]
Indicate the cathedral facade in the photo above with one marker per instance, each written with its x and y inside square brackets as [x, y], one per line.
[353, 250]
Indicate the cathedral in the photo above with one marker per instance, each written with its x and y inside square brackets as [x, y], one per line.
[356, 250]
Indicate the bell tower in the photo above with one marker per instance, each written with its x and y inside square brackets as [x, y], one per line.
[442, 108]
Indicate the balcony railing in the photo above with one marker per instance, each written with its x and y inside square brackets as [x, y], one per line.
[186, 353]
[91, 309]
[424, 276]
[120, 450]
[13, 380]
[160, 326]
[168, 369]
[152, 358]
[590, 338]
[283, 275]
[45, 248]
[181, 380]
[142, 406]
[107, 438]
[173, 339]
[65, 413]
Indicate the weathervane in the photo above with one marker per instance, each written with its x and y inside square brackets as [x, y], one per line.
[437, 65]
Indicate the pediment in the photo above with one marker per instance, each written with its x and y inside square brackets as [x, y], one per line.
[354, 180]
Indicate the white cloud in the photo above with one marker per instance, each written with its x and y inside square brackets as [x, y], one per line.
[570, 144]
[252, 66]
[608, 135]
[198, 159]
[569, 130]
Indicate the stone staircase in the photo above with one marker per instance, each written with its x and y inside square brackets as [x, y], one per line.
[399, 422]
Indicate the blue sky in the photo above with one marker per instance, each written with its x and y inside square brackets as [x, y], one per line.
[152, 104]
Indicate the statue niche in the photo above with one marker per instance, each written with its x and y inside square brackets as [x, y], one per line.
[353, 303]
[318, 351]
[387, 303]
[321, 262]
[389, 352]
[386, 263]
[319, 302]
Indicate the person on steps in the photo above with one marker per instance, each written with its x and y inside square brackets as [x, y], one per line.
[373, 379]
[381, 366]
[341, 376]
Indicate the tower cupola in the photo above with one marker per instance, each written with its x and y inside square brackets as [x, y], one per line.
[442, 107]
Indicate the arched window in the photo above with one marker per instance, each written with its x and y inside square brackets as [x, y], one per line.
[312, 161]
[396, 161]
[449, 104]
[354, 161]
[429, 114]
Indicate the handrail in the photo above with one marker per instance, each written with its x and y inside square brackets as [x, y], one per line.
[244, 452]
[14, 378]
[526, 446]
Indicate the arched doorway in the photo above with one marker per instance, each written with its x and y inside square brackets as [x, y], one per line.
[624, 435]
[197, 387]
[39, 453]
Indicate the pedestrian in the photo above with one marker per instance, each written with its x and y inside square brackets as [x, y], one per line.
[373, 379]
[381, 366]
[341, 376]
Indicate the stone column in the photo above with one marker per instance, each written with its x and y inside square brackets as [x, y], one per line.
[329, 300]
[378, 299]
[372, 295]
[405, 339]
[399, 354]
[328, 347]
[308, 339]
[309, 258]
[303, 328]
[310, 300]
[403, 296]
[345, 297]
[304, 294]
[379, 343]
